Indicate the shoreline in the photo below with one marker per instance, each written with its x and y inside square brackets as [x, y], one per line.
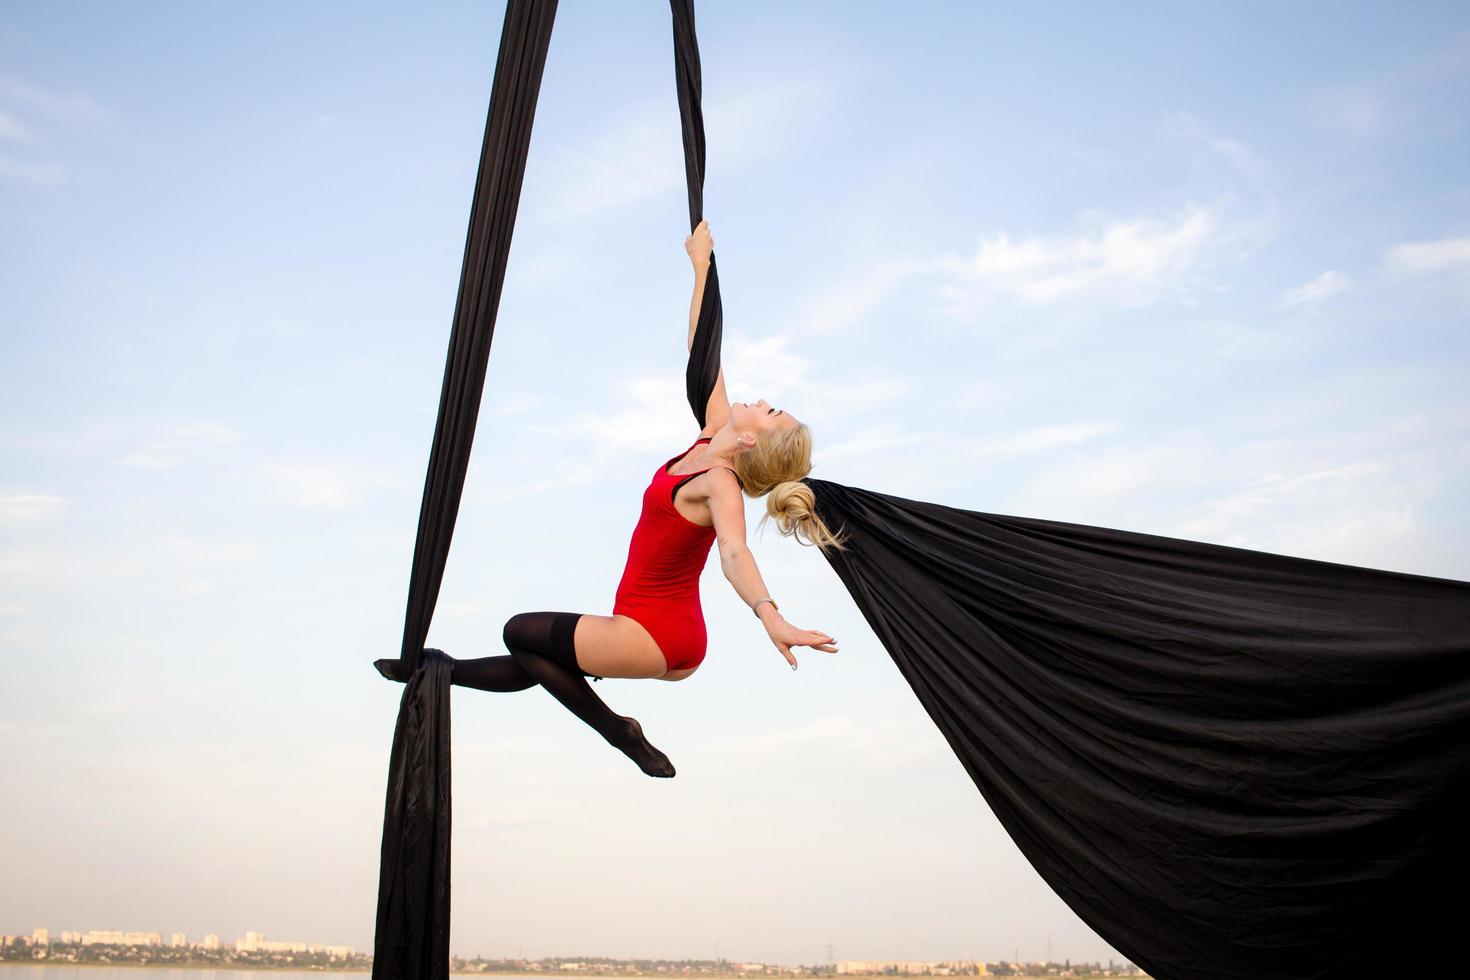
[549, 973]
[494, 973]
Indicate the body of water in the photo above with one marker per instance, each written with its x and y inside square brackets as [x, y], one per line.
[84, 971]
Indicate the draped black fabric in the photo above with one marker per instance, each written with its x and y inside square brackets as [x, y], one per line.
[703, 370]
[411, 941]
[524, 40]
[1229, 763]
[412, 933]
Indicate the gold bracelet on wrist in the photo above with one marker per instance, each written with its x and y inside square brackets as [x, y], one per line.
[756, 609]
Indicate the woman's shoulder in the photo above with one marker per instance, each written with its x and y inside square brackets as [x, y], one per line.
[719, 478]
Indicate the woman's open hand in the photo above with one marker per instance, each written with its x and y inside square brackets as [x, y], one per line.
[699, 245]
[786, 636]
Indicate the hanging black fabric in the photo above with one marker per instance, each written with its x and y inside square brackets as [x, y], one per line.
[411, 941]
[703, 370]
[1228, 763]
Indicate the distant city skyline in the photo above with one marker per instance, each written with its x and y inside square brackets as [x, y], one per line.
[250, 942]
[1199, 270]
[253, 942]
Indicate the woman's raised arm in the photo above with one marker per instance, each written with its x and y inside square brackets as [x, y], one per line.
[700, 247]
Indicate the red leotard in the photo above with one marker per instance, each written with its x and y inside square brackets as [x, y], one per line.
[660, 585]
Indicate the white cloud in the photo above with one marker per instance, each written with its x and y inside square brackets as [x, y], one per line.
[179, 441]
[1348, 496]
[1358, 513]
[37, 173]
[14, 130]
[1187, 127]
[764, 368]
[21, 509]
[77, 106]
[1132, 263]
[50, 109]
[1329, 283]
[1437, 256]
[1224, 517]
[1038, 440]
[646, 413]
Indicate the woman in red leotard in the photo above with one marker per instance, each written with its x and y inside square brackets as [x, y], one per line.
[656, 629]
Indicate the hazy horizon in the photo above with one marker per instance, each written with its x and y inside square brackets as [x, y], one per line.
[1197, 271]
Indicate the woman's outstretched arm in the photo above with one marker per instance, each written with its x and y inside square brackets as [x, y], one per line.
[727, 510]
[700, 246]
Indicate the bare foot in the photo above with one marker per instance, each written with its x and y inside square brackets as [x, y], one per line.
[636, 747]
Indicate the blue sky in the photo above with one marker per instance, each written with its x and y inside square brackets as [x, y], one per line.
[1199, 271]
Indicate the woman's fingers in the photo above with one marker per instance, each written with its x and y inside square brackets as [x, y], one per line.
[815, 639]
[818, 640]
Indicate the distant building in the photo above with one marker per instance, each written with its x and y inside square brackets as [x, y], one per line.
[936, 967]
[335, 952]
[71, 937]
[112, 937]
[211, 941]
[255, 942]
[41, 937]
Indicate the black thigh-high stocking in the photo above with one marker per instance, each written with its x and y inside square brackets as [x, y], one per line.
[542, 644]
[485, 673]
[492, 674]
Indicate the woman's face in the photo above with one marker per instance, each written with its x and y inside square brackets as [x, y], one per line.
[756, 417]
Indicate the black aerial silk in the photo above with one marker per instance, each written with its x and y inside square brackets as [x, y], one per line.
[411, 941]
[1230, 764]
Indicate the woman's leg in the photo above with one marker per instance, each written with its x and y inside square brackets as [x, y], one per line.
[544, 645]
[501, 673]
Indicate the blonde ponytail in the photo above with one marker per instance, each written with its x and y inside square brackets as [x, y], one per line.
[773, 468]
[794, 506]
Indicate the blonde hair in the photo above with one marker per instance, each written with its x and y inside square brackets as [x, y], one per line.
[773, 468]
